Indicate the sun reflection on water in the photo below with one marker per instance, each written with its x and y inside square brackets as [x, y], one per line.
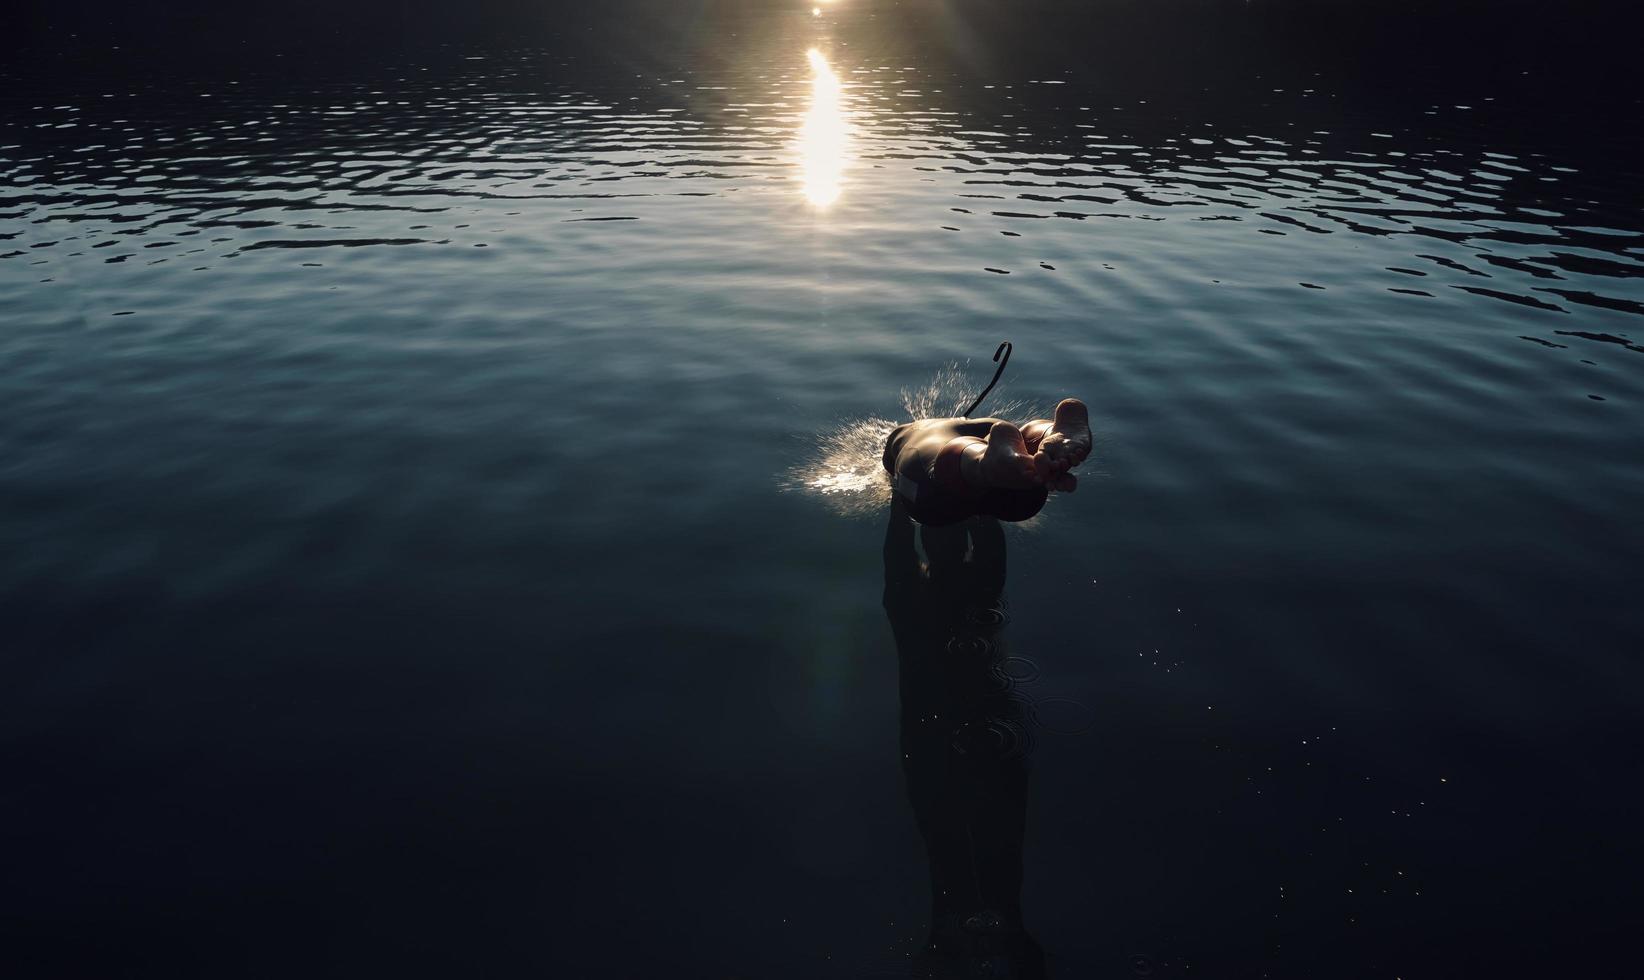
[823, 136]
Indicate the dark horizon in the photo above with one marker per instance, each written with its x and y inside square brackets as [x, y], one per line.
[1582, 33]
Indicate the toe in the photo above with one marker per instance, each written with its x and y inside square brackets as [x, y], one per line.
[1007, 433]
[1071, 410]
[1044, 468]
[1073, 425]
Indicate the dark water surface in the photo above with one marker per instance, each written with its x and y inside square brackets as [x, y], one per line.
[401, 574]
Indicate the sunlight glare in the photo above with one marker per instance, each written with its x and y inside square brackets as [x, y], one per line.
[823, 135]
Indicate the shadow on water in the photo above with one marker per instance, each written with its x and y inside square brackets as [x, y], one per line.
[967, 729]
[965, 736]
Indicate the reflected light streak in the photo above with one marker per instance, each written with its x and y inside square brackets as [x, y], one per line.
[823, 135]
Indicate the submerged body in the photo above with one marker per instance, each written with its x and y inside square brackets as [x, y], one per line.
[946, 470]
[963, 742]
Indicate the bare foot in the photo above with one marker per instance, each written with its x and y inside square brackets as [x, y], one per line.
[1004, 461]
[1068, 441]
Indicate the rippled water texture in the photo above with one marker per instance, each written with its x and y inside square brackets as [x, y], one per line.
[441, 515]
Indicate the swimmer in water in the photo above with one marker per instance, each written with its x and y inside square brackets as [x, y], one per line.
[946, 470]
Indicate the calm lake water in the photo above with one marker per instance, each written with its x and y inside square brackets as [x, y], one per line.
[410, 566]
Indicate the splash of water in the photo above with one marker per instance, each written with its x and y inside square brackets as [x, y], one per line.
[845, 470]
[951, 391]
